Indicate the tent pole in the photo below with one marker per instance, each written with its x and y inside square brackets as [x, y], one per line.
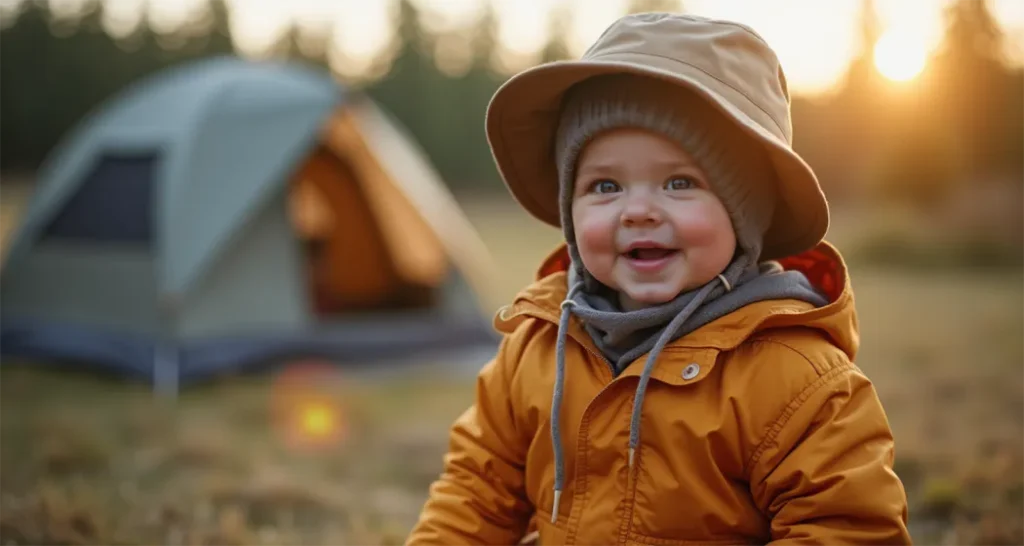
[166, 354]
[166, 369]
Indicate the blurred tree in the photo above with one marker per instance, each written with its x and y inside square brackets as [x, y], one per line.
[477, 87]
[862, 77]
[972, 32]
[557, 47]
[964, 127]
[848, 118]
[56, 71]
[1012, 136]
[485, 38]
[402, 88]
[962, 118]
[444, 113]
[977, 93]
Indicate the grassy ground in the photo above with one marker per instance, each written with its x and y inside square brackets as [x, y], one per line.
[86, 459]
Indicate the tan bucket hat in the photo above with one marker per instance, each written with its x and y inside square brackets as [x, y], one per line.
[726, 63]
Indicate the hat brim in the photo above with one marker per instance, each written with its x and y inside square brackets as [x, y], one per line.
[523, 116]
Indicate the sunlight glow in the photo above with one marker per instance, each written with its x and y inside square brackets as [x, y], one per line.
[122, 17]
[814, 39]
[316, 15]
[67, 9]
[449, 15]
[10, 5]
[168, 17]
[453, 53]
[900, 55]
[451, 25]
[1010, 14]
[9, 11]
[257, 24]
[588, 21]
[360, 38]
[522, 33]
[316, 21]
[922, 19]
[522, 24]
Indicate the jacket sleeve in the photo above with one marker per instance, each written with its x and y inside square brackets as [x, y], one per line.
[823, 472]
[480, 497]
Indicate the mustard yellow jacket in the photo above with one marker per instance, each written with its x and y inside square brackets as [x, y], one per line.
[778, 438]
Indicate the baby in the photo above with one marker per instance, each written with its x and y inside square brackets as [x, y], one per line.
[681, 371]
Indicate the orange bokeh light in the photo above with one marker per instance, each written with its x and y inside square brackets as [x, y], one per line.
[306, 407]
[318, 420]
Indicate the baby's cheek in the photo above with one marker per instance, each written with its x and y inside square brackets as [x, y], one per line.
[705, 226]
[596, 244]
[593, 237]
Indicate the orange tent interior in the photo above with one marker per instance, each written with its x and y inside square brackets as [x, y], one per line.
[367, 245]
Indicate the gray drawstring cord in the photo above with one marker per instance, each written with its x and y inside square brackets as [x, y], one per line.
[556, 401]
[652, 357]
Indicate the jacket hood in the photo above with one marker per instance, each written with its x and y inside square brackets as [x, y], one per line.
[823, 266]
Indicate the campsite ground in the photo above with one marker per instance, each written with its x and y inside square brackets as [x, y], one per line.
[85, 459]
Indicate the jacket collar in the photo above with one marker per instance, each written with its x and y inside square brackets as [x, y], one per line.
[823, 266]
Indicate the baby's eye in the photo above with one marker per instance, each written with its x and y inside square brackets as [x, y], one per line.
[604, 186]
[680, 183]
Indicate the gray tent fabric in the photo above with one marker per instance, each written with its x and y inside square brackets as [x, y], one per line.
[159, 232]
[227, 133]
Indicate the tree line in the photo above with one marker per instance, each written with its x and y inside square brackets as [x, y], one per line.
[962, 119]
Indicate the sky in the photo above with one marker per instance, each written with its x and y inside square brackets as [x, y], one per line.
[814, 39]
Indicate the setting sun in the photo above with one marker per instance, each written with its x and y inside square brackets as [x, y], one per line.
[900, 56]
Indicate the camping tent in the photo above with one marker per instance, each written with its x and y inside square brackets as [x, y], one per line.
[229, 213]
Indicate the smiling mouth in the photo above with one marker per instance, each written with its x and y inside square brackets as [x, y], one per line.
[650, 254]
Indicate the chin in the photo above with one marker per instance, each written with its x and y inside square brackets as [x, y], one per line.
[655, 296]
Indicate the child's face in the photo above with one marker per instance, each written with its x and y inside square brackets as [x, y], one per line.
[647, 225]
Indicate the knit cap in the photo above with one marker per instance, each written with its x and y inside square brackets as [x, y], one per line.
[737, 168]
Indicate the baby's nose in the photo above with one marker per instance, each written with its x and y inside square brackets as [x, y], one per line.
[640, 207]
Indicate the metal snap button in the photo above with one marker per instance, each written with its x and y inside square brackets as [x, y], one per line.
[691, 371]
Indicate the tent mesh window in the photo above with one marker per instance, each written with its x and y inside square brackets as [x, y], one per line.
[113, 204]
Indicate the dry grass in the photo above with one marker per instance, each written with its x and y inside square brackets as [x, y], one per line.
[89, 460]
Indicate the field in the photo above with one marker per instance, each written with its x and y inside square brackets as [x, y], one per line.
[87, 459]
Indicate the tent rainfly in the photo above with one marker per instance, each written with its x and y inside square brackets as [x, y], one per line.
[229, 214]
